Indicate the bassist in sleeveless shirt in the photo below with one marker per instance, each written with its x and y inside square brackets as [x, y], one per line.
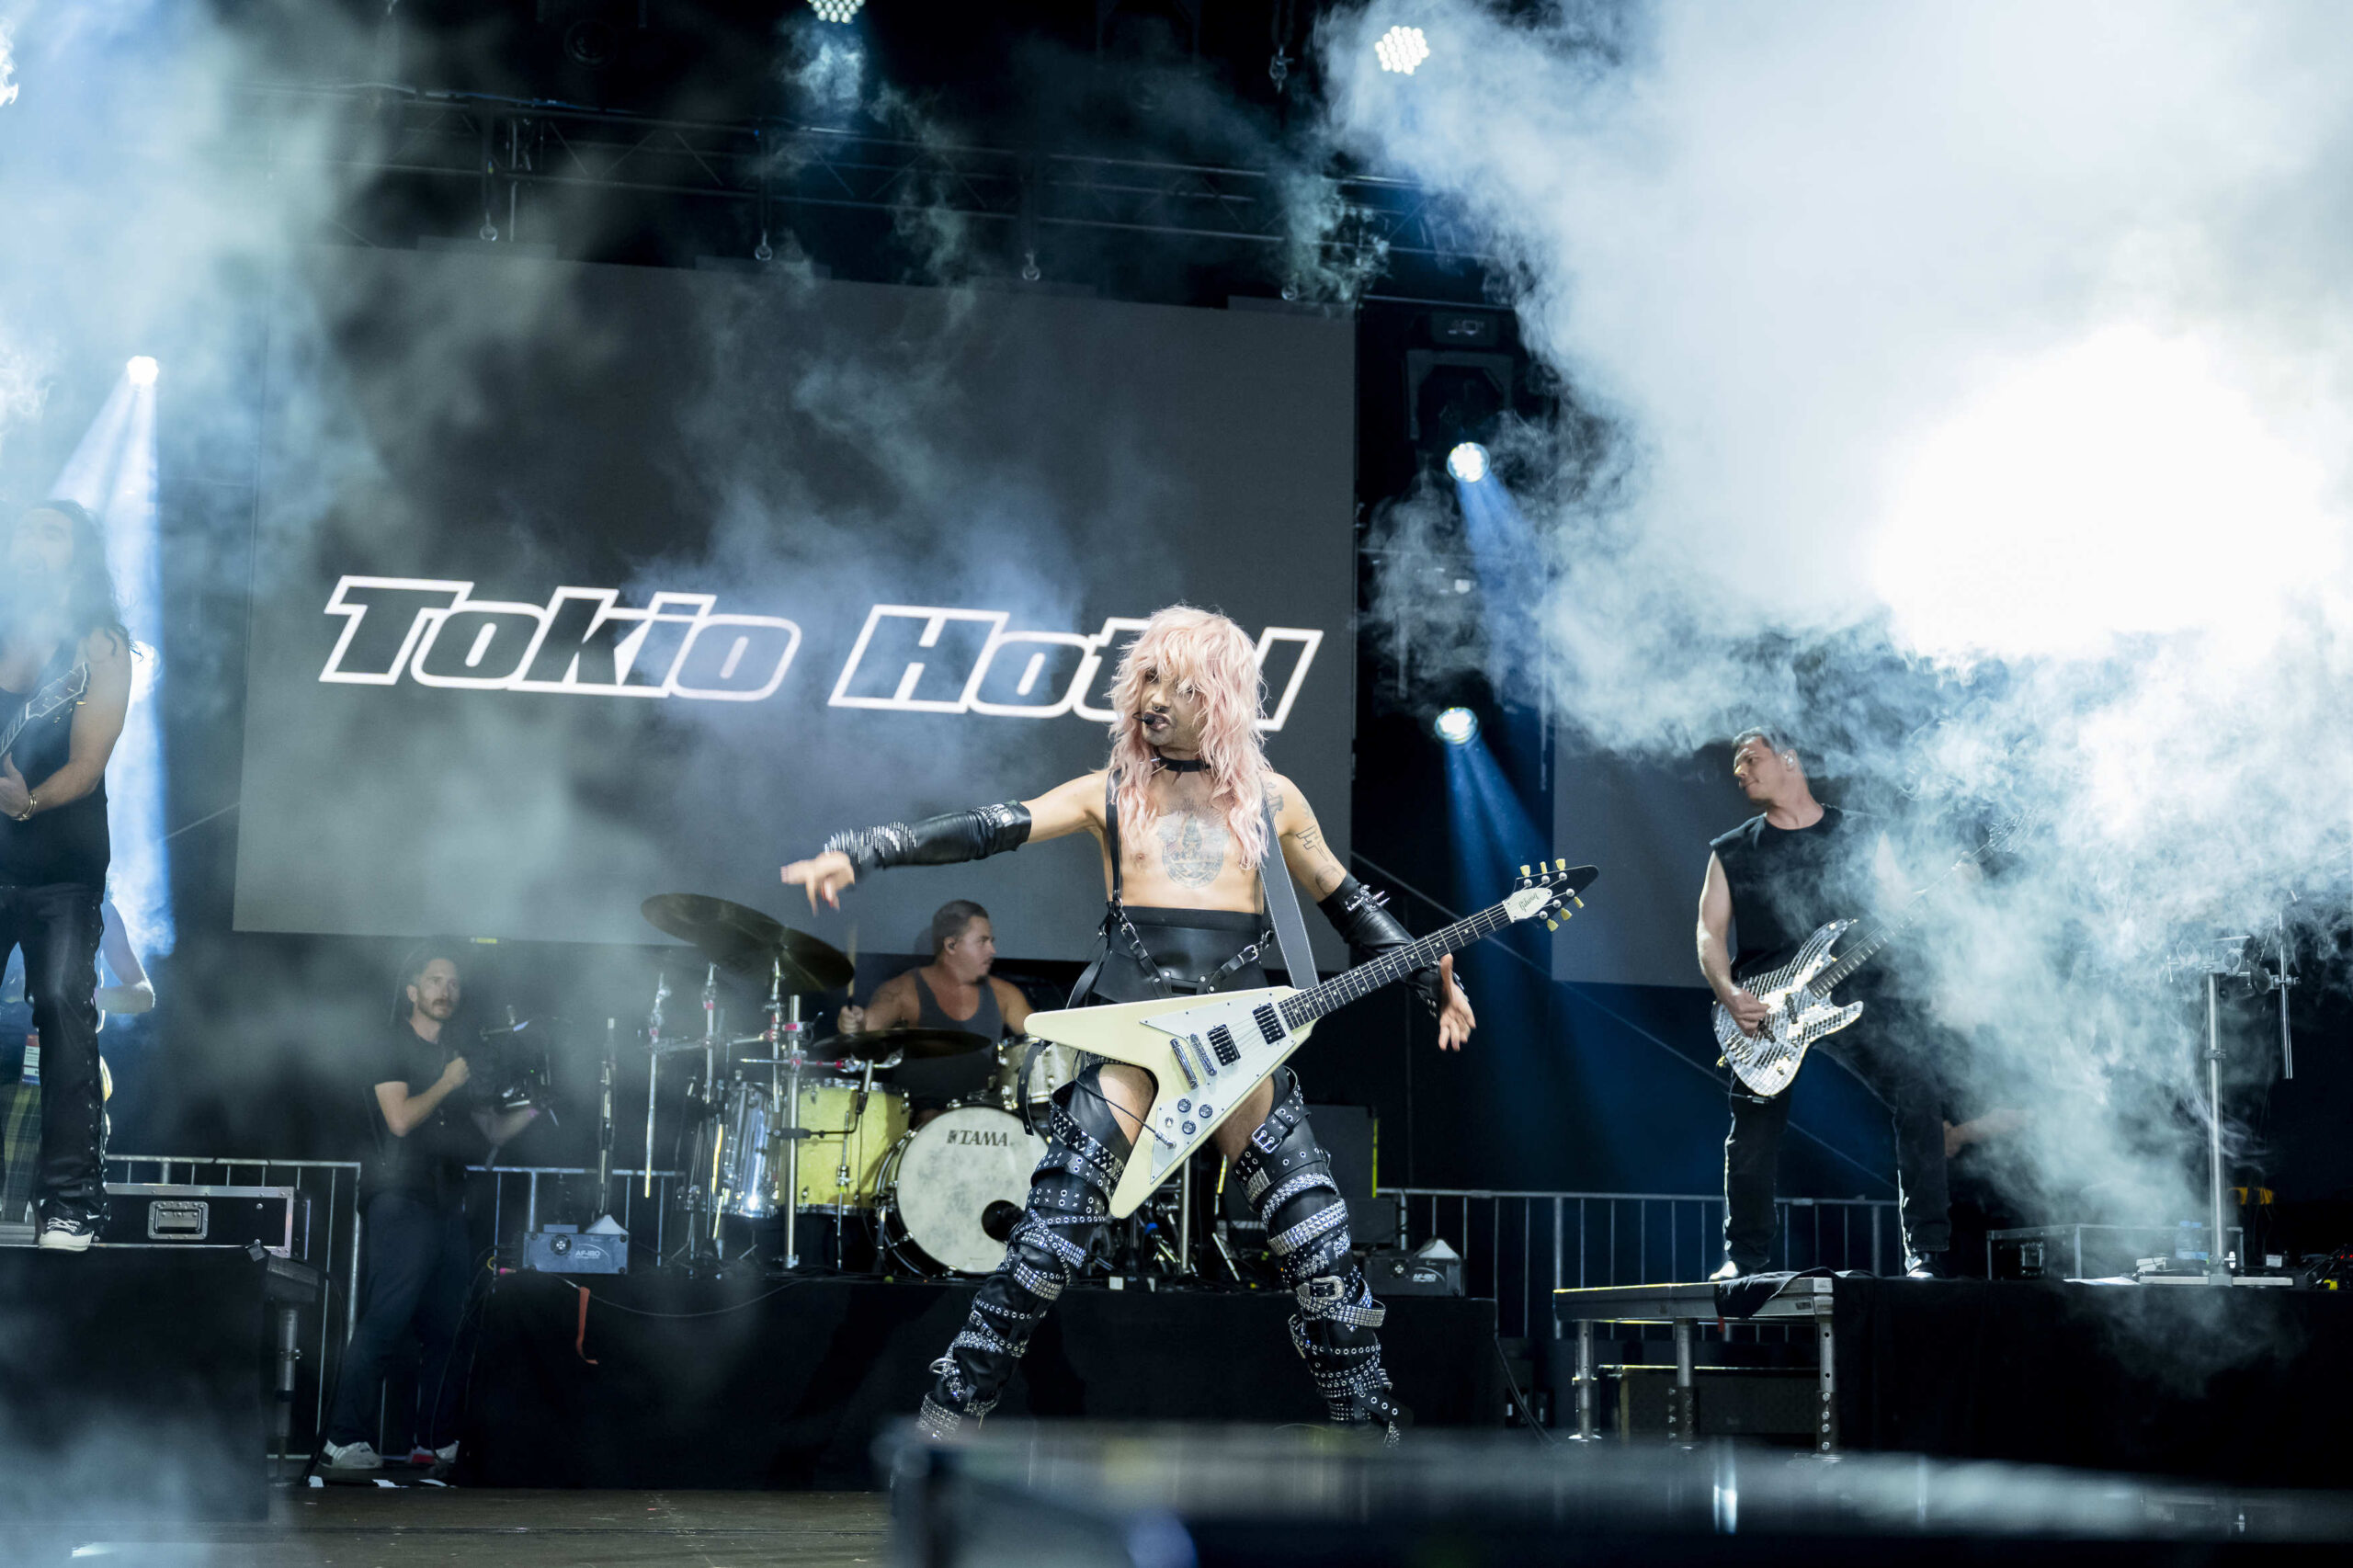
[1180, 818]
[1771, 882]
[61, 632]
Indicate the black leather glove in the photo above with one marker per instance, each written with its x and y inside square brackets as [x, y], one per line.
[943, 840]
[1357, 912]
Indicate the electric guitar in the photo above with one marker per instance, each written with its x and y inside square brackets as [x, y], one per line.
[1796, 985]
[1206, 1053]
[67, 688]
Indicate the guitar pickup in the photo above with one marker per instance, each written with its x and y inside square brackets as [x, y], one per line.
[1221, 1040]
[1269, 1023]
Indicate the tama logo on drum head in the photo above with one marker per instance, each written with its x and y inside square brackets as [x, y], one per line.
[979, 1138]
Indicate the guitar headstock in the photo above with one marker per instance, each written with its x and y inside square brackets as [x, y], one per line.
[1549, 891]
[2005, 834]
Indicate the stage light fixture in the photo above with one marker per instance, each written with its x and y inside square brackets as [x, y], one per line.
[1402, 49]
[1456, 726]
[1468, 462]
[837, 10]
[141, 372]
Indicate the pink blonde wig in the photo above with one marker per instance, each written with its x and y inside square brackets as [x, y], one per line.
[1222, 664]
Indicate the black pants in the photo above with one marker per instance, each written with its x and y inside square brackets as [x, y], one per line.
[1890, 1066]
[420, 1260]
[58, 927]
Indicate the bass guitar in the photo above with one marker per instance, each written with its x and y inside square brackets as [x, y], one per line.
[65, 690]
[1796, 986]
[1206, 1053]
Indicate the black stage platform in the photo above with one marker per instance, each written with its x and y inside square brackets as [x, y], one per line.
[2246, 1385]
[769, 1383]
[135, 1381]
[2242, 1385]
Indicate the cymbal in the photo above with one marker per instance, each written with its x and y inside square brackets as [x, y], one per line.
[913, 1044]
[746, 942]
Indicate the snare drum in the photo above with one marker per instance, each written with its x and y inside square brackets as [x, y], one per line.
[952, 1189]
[841, 1159]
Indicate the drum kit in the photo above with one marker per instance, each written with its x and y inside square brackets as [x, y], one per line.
[789, 1129]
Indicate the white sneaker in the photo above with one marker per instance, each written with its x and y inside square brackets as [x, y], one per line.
[354, 1456]
[423, 1458]
[68, 1235]
[1728, 1271]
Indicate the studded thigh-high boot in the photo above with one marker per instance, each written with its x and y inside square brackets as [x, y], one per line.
[1288, 1178]
[1070, 1198]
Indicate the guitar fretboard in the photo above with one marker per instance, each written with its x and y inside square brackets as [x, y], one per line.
[1864, 946]
[1365, 979]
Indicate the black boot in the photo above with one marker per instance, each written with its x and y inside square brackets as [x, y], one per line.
[1070, 1199]
[1288, 1178]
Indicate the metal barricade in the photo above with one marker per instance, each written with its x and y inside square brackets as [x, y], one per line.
[1521, 1246]
[517, 1200]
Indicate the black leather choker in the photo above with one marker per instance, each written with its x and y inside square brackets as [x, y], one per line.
[1184, 765]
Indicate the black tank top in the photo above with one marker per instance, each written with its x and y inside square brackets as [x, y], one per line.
[1787, 882]
[988, 1021]
[950, 1079]
[69, 844]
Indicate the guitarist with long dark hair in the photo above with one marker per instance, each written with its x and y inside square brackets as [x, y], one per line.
[64, 690]
[1185, 817]
[1774, 880]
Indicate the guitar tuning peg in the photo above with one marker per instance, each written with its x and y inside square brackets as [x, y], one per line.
[1525, 872]
[1552, 925]
[1576, 900]
[1560, 865]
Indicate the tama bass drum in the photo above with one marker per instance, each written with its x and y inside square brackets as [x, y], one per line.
[955, 1185]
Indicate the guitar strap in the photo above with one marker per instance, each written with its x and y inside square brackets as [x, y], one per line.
[1115, 915]
[1282, 904]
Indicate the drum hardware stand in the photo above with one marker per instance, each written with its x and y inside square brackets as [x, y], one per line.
[714, 1118]
[604, 1120]
[1184, 1266]
[652, 1069]
[787, 1043]
[1226, 1251]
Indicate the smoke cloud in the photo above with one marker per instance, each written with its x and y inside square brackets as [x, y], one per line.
[1964, 389]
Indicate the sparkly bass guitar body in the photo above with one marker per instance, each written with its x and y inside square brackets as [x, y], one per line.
[1797, 988]
[1799, 1011]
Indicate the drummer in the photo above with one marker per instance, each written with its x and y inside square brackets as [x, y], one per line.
[954, 991]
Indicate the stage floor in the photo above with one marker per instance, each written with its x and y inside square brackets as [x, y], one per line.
[453, 1529]
[643, 1381]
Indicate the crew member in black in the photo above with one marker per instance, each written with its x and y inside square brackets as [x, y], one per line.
[1775, 879]
[954, 991]
[65, 677]
[419, 1255]
[1186, 816]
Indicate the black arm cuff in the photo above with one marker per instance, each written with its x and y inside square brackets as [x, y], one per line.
[1356, 912]
[936, 841]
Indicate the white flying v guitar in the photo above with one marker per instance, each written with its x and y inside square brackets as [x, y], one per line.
[1206, 1053]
